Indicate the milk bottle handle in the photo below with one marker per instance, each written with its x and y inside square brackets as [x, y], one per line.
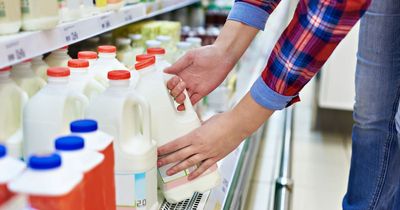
[42, 82]
[145, 107]
[188, 104]
[80, 98]
[97, 86]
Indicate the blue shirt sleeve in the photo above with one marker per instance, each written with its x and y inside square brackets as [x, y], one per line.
[248, 14]
[267, 97]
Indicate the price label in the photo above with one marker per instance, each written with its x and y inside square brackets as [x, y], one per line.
[15, 52]
[128, 17]
[71, 33]
[105, 22]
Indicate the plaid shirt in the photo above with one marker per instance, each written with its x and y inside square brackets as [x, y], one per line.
[314, 32]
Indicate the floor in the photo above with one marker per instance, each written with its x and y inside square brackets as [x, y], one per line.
[320, 162]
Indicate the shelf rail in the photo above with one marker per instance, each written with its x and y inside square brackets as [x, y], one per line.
[284, 183]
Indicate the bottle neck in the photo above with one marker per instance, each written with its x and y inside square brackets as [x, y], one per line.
[22, 69]
[79, 71]
[115, 84]
[57, 80]
[107, 55]
[147, 70]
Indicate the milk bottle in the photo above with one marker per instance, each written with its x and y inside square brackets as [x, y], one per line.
[182, 48]
[10, 16]
[23, 75]
[81, 81]
[58, 58]
[101, 142]
[49, 184]
[88, 8]
[153, 44]
[11, 113]
[125, 52]
[171, 125]
[88, 162]
[10, 169]
[71, 10]
[166, 43]
[90, 56]
[39, 14]
[40, 67]
[106, 62]
[195, 41]
[137, 44]
[117, 112]
[49, 112]
[161, 62]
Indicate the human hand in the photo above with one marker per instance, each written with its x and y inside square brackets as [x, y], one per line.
[200, 71]
[206, 145]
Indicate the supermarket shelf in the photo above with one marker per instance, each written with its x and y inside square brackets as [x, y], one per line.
[18, 47]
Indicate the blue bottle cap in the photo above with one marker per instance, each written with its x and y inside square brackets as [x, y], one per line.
[69, 143]
[83, 126]
[44, 162]
[3, 151]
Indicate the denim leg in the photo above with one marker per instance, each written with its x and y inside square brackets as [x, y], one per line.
[375, 163]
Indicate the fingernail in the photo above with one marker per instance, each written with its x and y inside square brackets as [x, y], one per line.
[170, 172]
[159, 163]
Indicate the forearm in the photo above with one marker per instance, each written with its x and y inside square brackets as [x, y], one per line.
[247, 116]
[234, 39]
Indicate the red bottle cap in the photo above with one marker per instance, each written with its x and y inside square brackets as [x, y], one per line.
[156, 51]
[119, 75]
[106, 49]
[58, 72]
[78, 63]
[7, 68]
[143, 57]
[87, 55]
[145, 63]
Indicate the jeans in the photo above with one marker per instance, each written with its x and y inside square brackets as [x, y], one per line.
[374, 181]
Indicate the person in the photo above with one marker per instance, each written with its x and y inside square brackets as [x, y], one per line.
[316, 29]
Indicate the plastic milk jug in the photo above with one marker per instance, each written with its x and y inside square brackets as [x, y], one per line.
[90, 56]
[10, 16]
[137, 44]
[24, 76]
[49, 184]
[125, 52]
[166, 43]
[10, 168]
[161, 62]
[58, 57]
[39, 14]
[11, 113]
[76, 157]
[117, 112]
[80, 79]
[48, 113]
[101, 142]
[115, 4]
[71, 10]
[40, 67]
[182, 48]
[107, 62]
[171, 125]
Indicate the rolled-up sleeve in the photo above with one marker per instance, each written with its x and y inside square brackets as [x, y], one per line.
[252, 12]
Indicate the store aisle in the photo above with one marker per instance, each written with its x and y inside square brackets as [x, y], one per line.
[320, 163]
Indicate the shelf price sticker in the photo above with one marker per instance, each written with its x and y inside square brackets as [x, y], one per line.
[128, 17]
[105, 22]
[71, 33]
[15, 51]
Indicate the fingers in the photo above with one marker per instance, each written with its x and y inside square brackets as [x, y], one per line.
[173, 82]
[177, 156]
[193, 160]
[183, 63]
[175, 145]
[195, 98]
[178, 89]
[201, 169]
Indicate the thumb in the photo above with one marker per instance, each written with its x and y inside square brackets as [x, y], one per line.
[180, 65]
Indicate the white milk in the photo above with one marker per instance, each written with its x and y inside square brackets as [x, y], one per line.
[10, 16]
[161, 61]
[39, 14]
[49, 112]
[11, 113]
[71, 10]
[117, 112]
[195, 41]
[125, 52]
[89, 162]
[58, 58]
[49, 184]
[40, 67]
[24, 76]
[81, 80]
[10, 169]
[167, 124]
[137, 45]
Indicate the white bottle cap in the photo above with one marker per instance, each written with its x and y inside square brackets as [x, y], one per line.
[183, 45]
[135, 36]
[153, 43]
[123, 41]
[163, 38]
[194, 40]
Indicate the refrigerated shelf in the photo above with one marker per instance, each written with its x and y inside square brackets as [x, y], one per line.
[24, 45]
